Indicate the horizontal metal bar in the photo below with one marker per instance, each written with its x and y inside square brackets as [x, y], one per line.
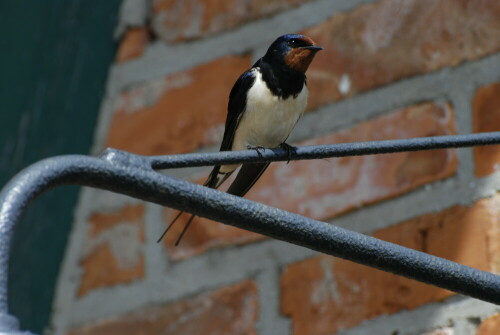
[133, 175]
[324, 151]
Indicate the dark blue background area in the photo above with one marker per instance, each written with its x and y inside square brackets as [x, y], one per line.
[54, 60]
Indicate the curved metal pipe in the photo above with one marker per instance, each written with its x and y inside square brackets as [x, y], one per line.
[134, 176]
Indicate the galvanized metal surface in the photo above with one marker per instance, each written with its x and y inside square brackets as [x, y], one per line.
[134, 175]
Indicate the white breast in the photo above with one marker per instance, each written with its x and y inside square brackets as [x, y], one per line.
[268, 120]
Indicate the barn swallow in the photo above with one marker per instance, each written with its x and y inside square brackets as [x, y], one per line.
[265, 103]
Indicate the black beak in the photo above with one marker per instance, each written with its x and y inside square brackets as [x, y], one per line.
[313, 48]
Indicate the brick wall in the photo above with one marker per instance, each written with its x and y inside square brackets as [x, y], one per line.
[390, 69]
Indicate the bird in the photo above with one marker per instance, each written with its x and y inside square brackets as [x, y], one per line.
[264, 106]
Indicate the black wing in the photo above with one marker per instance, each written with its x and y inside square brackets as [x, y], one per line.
[236, 107]
[246, 178]
[235, 110]
[249, 173]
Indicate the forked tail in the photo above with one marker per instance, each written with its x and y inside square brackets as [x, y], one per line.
[214, 180]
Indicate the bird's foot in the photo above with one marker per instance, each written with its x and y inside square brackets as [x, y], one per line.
[257, 148]
[291, 150]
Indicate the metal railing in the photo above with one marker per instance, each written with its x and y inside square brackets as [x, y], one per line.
[135, 176]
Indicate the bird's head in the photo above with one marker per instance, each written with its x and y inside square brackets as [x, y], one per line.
[294, 51]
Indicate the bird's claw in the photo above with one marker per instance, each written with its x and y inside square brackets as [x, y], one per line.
[257, 148]
[291, 150]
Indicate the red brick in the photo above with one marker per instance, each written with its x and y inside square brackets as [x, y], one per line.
[323, 295]
[113, 252]
[178, 113]
[379, 43]
[490, 326]
[177, 20]
[325, 188]
[494, 234]
[486, 118]
[133, 44]
[230, 310]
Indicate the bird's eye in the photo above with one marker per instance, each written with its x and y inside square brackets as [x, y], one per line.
[293, 42]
